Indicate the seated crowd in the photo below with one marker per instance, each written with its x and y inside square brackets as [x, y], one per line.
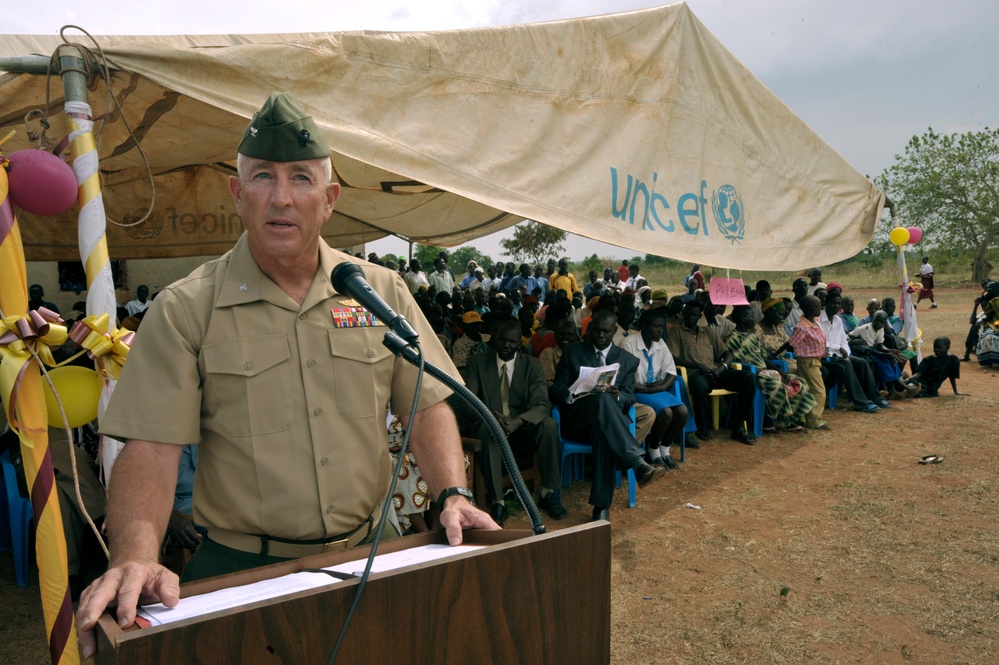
[521, 334]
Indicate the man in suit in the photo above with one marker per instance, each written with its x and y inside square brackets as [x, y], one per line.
[513, 386]
[602, 418]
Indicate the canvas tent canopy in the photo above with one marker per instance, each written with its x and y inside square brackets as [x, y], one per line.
[638, 129]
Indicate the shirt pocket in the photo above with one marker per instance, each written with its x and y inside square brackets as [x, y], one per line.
[250, 379]
[362, 371]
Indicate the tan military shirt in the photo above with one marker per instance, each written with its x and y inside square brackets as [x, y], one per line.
[289, 409]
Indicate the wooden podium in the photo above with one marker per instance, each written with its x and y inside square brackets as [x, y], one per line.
[522, 599]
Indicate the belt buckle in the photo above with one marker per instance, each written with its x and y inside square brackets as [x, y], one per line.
[327, 547]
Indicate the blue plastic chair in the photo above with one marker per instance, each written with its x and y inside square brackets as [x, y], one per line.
[17, 514]
[570, 448]
[679, 390]
[832, 394]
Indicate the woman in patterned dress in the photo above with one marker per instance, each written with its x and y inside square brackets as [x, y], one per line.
[787, 398]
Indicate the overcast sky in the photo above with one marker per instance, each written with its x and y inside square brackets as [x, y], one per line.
[866, 75]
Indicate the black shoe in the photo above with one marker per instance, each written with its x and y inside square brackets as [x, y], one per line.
[742, 436]
[646, 473]
[499, 513]
[703, 434]
[601, 514]
[668, 462]
[551, 505]
[690, 441]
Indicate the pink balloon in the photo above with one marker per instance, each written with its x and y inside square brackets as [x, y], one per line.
[915, 234]
[41, 183]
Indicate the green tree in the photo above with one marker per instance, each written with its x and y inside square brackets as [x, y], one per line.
[948, 185]
[426, 254]
[461, 256]
[592, 262]
[534, 242]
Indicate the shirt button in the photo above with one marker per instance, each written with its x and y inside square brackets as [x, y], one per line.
[301, 317]
[316, 411]
[247, 365]
[310, 363]
[371, 353]
[324, 461]
[329, 508]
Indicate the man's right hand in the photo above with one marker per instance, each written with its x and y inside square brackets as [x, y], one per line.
[127, 584]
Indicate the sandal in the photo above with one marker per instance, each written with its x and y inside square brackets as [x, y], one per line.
[821, 425]
[795, 429]
[770, 430]
[742, 436]
[931, 459]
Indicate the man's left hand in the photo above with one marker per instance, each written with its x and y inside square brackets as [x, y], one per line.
[459, 514]
[510, 424]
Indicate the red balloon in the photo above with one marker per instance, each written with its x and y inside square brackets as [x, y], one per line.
[41, 183]
[915, 234]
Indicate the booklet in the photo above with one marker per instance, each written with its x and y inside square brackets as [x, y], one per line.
[593, 380]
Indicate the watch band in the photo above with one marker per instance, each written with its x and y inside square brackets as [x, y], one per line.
[452, 491]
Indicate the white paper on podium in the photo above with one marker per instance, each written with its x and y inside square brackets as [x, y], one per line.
[224, 599]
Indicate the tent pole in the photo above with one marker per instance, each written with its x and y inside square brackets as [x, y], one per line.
[25, 64]
[71, 69]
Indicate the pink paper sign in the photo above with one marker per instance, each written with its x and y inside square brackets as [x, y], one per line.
[726, 291]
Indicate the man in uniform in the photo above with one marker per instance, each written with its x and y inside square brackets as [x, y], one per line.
[282, 381]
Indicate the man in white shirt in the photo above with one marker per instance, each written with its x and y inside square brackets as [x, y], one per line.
[926, 279]
[490, 284]
[841, 365]
[615, 285]
[415, 278]
[440, 277]
[815, 283]
[140, 304]
[633, 277]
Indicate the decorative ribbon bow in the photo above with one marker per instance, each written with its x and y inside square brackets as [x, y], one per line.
[41, 330]
[102, 340]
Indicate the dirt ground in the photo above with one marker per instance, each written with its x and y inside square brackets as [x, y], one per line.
[826, 547]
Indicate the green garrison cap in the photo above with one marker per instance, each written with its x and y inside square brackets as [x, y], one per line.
[281, 131]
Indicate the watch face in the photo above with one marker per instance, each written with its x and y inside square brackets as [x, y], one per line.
[452, 491]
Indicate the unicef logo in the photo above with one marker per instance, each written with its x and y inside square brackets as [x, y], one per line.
[729, 213]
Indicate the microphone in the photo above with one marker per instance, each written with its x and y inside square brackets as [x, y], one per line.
[348, 278]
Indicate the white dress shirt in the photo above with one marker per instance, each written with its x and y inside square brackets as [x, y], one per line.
[836, 338]
[663, 364]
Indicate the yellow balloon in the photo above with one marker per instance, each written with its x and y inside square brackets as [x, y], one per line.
[899, 236]
[79, 390]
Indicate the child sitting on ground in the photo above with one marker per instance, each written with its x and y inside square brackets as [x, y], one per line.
[935, 369]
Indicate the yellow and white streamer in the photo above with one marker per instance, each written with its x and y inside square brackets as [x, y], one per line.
[93, 248]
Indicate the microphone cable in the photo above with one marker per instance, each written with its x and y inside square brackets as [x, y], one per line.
[386, 506]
